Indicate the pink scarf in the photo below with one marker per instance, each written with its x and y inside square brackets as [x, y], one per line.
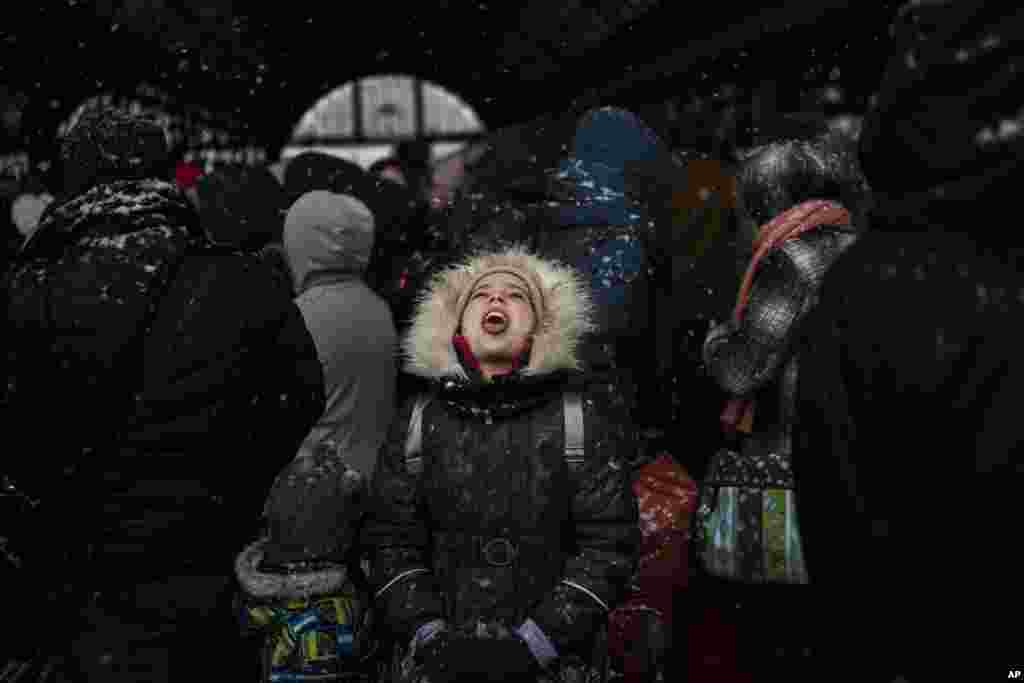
[739, 413]
[467, 356]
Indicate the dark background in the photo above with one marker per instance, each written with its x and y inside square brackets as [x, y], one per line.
[259, 66]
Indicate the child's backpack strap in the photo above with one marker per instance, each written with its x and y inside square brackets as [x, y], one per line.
[414, 437]
[573, 430]
[574, 441]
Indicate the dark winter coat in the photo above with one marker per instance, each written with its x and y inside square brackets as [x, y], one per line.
[157, 381]
[424, 248]
[494, 467]
[909, 433]
[698, 259]
[393, 271]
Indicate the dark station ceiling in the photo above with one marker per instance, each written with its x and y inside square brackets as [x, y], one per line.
[266, 63]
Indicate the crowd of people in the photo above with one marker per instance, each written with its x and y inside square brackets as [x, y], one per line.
[298, 422]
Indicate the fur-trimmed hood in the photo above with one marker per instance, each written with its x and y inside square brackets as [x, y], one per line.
[567, 316]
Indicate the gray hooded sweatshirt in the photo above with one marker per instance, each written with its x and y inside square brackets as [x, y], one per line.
[328, 239]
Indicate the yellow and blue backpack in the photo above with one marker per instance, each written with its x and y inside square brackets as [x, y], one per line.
[312, 619]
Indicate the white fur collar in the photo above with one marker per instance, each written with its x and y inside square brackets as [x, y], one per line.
[428, 348]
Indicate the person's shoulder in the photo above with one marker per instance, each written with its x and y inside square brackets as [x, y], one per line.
[242, 275]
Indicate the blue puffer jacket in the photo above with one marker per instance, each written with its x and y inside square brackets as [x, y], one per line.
[607, 140]
[614, 248]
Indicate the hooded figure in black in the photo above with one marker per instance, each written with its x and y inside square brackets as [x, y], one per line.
[242, 207]
[494, 558]
[311, 171]
[909, 435]
[164, 381]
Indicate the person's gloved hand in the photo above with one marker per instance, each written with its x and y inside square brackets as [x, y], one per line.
[425, 650]
[435, 638]
[483, 659]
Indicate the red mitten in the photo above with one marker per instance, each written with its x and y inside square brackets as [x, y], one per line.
[667, 497]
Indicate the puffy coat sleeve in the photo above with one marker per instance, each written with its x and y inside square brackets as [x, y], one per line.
[606, 526]
[396, 538]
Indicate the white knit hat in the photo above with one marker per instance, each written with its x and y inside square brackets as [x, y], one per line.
[528, 277]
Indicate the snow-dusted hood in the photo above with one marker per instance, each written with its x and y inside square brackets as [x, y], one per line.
[327, 237]
[566, 318]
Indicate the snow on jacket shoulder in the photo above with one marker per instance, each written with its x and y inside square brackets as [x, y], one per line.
[166, 363]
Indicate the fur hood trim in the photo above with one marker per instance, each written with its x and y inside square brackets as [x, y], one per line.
[566, 318]
[298, 585]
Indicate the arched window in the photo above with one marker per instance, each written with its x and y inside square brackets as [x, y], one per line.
[363, 120]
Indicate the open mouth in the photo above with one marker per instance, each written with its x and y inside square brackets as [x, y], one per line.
[495, 322]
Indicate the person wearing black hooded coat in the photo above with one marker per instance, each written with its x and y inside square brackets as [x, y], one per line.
[159, 383]
[909, 433]
[242, 207]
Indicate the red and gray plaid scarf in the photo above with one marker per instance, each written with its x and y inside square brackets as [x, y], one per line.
[739, 413]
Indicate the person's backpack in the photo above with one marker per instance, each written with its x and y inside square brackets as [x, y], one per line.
[312, 619]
